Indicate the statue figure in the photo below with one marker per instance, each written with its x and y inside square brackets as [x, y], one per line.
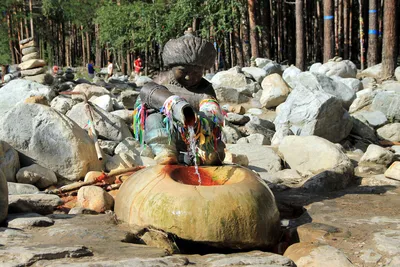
[184, 100]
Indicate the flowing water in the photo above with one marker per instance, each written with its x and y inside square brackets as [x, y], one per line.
[193, 150]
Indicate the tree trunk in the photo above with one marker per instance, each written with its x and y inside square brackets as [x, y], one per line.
[30, 9]
[84, 61]
[265, 30]
[300, 51]
[236, 40]
[253, 28]
[372, 34]
[346, 29]
[361, 36]
[10, 37]
[245, 39]
[98, 47]
[389, 39]
[328, 30]
[88, 47]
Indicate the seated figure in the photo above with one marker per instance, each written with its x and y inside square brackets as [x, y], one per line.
[180, 100]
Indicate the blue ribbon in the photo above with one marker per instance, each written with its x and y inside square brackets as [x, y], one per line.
[371, 11]
[374, 32]
[328, 17]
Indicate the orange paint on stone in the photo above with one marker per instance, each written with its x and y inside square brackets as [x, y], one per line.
[187, 175]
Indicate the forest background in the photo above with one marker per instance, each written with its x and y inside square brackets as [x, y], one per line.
[301, 32]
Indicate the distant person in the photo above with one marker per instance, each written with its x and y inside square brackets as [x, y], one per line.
[55, 70]
[91, 69]
[110, 69]
[138, 64]
[3, 72]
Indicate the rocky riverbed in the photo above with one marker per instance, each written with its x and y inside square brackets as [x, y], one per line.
[326, 142]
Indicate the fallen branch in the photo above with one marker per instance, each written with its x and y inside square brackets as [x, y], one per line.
[389, 143]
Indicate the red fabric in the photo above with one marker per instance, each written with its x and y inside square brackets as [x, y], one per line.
[138, 65]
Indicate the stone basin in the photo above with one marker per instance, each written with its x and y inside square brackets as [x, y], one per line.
[230, 208]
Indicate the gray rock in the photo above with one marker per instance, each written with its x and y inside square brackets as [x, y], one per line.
[28, 255]
[375, 160]
[272, 67]
[389, 103]
[128, 98]
[397, 73]
[391, 85]
[332, 169]
[231, 78]
[355, 84]
[390, 132]
[108, 126]
[34, 71]
[251, 128]
[29, 50]
[362, 129]
[317, 81]
[257, 74]
[261, 62]
[17, 91]
[27, 220]
[256, 139]
[80, 210]
[89, 90]
[231, 133]
[21, 189]
[368, 82]
[142, 80]
[387, 241]
[237, 118]
[34, 55]
[286, 176]
[315, 67]
[108, 146]
[37, 175]
[254, 258]
[290, 75]
[230, 95]
[3, 197]
[373, 118]
[281, 133]
[49, 139]
[40, 78]
[373, 72]
[62, 103]
[262, 159]
[124, 114]
[103, 102]
[363, 99]
[264, 123]
[132, 147]
[38, 203]
[309, 112]
[9, 161]
[343, 68]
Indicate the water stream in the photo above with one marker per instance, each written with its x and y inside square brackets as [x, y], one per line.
[193, 150]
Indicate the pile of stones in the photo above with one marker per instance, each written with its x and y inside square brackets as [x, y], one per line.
[32, 68]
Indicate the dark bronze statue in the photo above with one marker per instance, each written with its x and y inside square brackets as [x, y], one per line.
[185, 99]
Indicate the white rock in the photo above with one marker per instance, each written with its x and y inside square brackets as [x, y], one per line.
[393, 171]
[363, 99]
[373, 118]
[21, 189]
[27, 220]
[33, 63]
[373, 72]
[390, 132]
[258, 74]
[376, 155]
[275, 91]
[62, 103]
[397, 73]
[89, 90]
[95, 198]
[389, 103]
[124, 114]
[343, 68]
[103, 102]
[261, 62]
[353, 83]
[37, 175]
[290, 75]
[229, 79]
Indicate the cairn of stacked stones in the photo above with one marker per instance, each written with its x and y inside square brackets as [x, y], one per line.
[32, 68]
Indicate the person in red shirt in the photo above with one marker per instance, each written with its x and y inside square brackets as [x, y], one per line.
[138, 64]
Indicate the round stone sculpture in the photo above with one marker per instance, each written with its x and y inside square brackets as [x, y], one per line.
[227, 207]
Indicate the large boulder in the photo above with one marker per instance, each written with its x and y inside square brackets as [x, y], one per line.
[230, 95]
[290, 75]
[17, 91]
[103, 102]
[232, 78]
[353, 83]
[31, 64]
[89, 90]
[389, 103]
[32, 72]
[314, 112]
[34, 55]
[397, 73]
[272, 67]
[390, 132]
[256, 73]
[50, 139]
[261, 62]
[375, 160]
[107, 125]
[62, 103]
[3, 197]
[343, 68]
[9, 161]
[329, 168]
[169, 198]
[363, 99]
[36, 175]
[373, 72]
[374, 118]
[275, 91]
[317, 81]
